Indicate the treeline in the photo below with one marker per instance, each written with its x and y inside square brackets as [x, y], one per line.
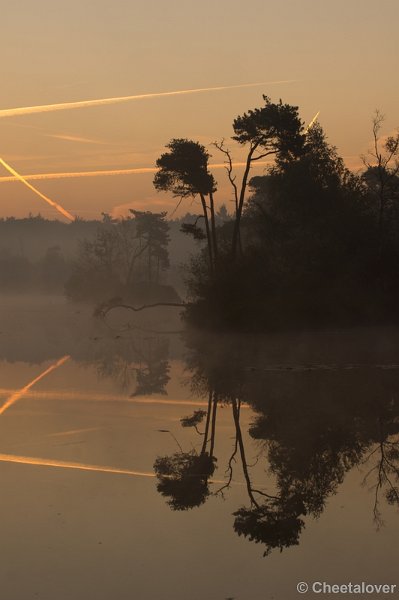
[32, 236]
[310, 243]
[126, 258]
[47, 274]
[43, 255]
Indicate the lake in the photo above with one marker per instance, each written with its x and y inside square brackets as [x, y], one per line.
[139, 460]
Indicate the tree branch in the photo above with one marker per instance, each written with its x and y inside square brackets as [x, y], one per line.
[229, 168]
[102, 311]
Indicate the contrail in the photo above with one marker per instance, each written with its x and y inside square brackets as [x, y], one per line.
[58, 207]
[78, 174]
[19, 393]
[312, 122]
[73, 138]
[108, 173]
[30, 110]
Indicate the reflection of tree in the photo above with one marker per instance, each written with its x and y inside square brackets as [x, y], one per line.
[134, 360]
[183, 476]
[386, 472]
[275, 524]
[323, 424]
[312, 426]
[153, 376]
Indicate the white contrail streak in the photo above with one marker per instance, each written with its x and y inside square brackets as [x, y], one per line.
[312, 122]
[22, 179]
[78, 174]
[30, 110]
[73, 138]
[108, 173]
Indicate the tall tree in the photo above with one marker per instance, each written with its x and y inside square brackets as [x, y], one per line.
[274, 129]
[152, 233]
[382, 170]
[184, 172]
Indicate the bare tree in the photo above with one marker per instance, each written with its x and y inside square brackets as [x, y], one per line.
[382, 168]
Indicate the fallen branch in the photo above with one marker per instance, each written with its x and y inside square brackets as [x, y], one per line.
[104, 309]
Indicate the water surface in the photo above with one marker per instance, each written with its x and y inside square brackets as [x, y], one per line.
[308, 423]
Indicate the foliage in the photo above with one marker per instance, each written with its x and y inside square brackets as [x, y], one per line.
[311, 251]
[273, 524]
[183, 478]
[122, 254]
[193, 420]
[184, 169]
[273, 129]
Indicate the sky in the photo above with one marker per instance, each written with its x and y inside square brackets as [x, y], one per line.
[339, 58]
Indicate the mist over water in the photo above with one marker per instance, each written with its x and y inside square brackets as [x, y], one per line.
[108, 479]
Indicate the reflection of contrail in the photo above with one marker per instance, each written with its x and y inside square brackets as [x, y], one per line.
[62, 464]
[29, 110]
[49, 462]
[111, 172]
[17, 395]
[63, 395]
[13, 172]
[94, 397]
[73, 432]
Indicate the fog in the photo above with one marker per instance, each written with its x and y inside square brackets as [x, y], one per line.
[84, 453]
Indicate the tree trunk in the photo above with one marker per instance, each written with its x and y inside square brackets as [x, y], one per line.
[213, 224]
[208, 233]
[236, 233]
[208, 419]
[236, 416]
[213, 429]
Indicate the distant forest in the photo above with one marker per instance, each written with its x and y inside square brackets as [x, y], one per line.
[37, 254]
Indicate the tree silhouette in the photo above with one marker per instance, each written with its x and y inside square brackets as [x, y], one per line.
[184, 172]
[382, 169]
[152, 232]
[183, 478]
[274, 524]
[273, 129]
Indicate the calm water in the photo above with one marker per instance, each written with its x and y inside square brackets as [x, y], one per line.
[106, 493]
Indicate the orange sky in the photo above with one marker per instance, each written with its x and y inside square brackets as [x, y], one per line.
[337, 57]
